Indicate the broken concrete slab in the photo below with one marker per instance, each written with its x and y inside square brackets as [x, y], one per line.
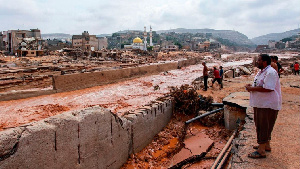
[195, 145]
[237, 99]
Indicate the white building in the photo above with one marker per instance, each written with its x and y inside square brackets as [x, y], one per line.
[137, 43]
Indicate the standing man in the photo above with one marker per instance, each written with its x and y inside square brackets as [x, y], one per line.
[296, 68]
[205, 76]
[280, 69]
[265, 98]
[221, 74]
[273, 64]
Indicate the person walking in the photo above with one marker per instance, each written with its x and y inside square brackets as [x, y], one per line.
[266, 100]
[205, 76]
[221, 74]
[296, 68]
[217, 78]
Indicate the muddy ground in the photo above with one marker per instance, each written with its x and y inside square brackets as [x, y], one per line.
[160, 152]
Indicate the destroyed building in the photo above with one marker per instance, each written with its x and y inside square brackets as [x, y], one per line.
[85, 42]
[2, 44]
[12, 39]
[56, 44]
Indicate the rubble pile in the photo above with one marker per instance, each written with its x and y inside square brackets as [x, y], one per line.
[187, 101]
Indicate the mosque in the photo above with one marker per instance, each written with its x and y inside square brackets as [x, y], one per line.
[138, 43]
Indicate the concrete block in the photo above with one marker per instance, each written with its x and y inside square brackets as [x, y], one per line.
[163, 115]
[121, 145]
[8, 141]
[231, 117]
[141, 130]
[35, 147]
[149, 122]
[66, 139]
[94, 129]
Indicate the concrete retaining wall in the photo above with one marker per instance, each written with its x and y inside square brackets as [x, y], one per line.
[188, 62]
[71, 82]
[24, 94]
[90, 138]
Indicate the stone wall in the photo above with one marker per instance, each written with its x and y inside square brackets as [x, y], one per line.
[90, 138]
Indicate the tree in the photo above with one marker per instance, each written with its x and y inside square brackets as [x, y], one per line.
[115, 34]
[178, 44]
[150, 48]
[286, 39]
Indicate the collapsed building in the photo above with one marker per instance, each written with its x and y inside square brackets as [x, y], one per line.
[87, 42]
[23, 42]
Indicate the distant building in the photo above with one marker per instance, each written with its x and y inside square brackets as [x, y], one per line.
[279, 45]
[261, 48]
[12, 39]
[271, 44]
[170, 48]
[85, 42]
[2, 44]
[137, 43]
[293, 44]
[214, 45]
[203, 46]
[102, 43]
[56, 44]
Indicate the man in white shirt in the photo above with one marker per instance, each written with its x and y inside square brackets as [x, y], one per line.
[265, 98]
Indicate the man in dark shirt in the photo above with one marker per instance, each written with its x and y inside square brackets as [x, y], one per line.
[221, 74]
[280, 69]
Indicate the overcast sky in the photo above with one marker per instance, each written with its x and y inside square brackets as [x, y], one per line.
[250, 17]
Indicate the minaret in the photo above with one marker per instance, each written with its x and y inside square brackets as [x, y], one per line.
[145, 38]
[151, 44]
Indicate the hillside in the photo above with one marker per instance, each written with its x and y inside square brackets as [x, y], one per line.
[56, 36]
[263, 40]
[231, 36]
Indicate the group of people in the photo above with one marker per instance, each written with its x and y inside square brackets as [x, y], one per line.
[265, 98]
[276, 65]
[218, 76]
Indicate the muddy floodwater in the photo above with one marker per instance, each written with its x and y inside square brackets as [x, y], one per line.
[119, 97]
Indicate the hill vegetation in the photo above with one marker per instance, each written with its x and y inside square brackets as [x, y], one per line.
[264, 39]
